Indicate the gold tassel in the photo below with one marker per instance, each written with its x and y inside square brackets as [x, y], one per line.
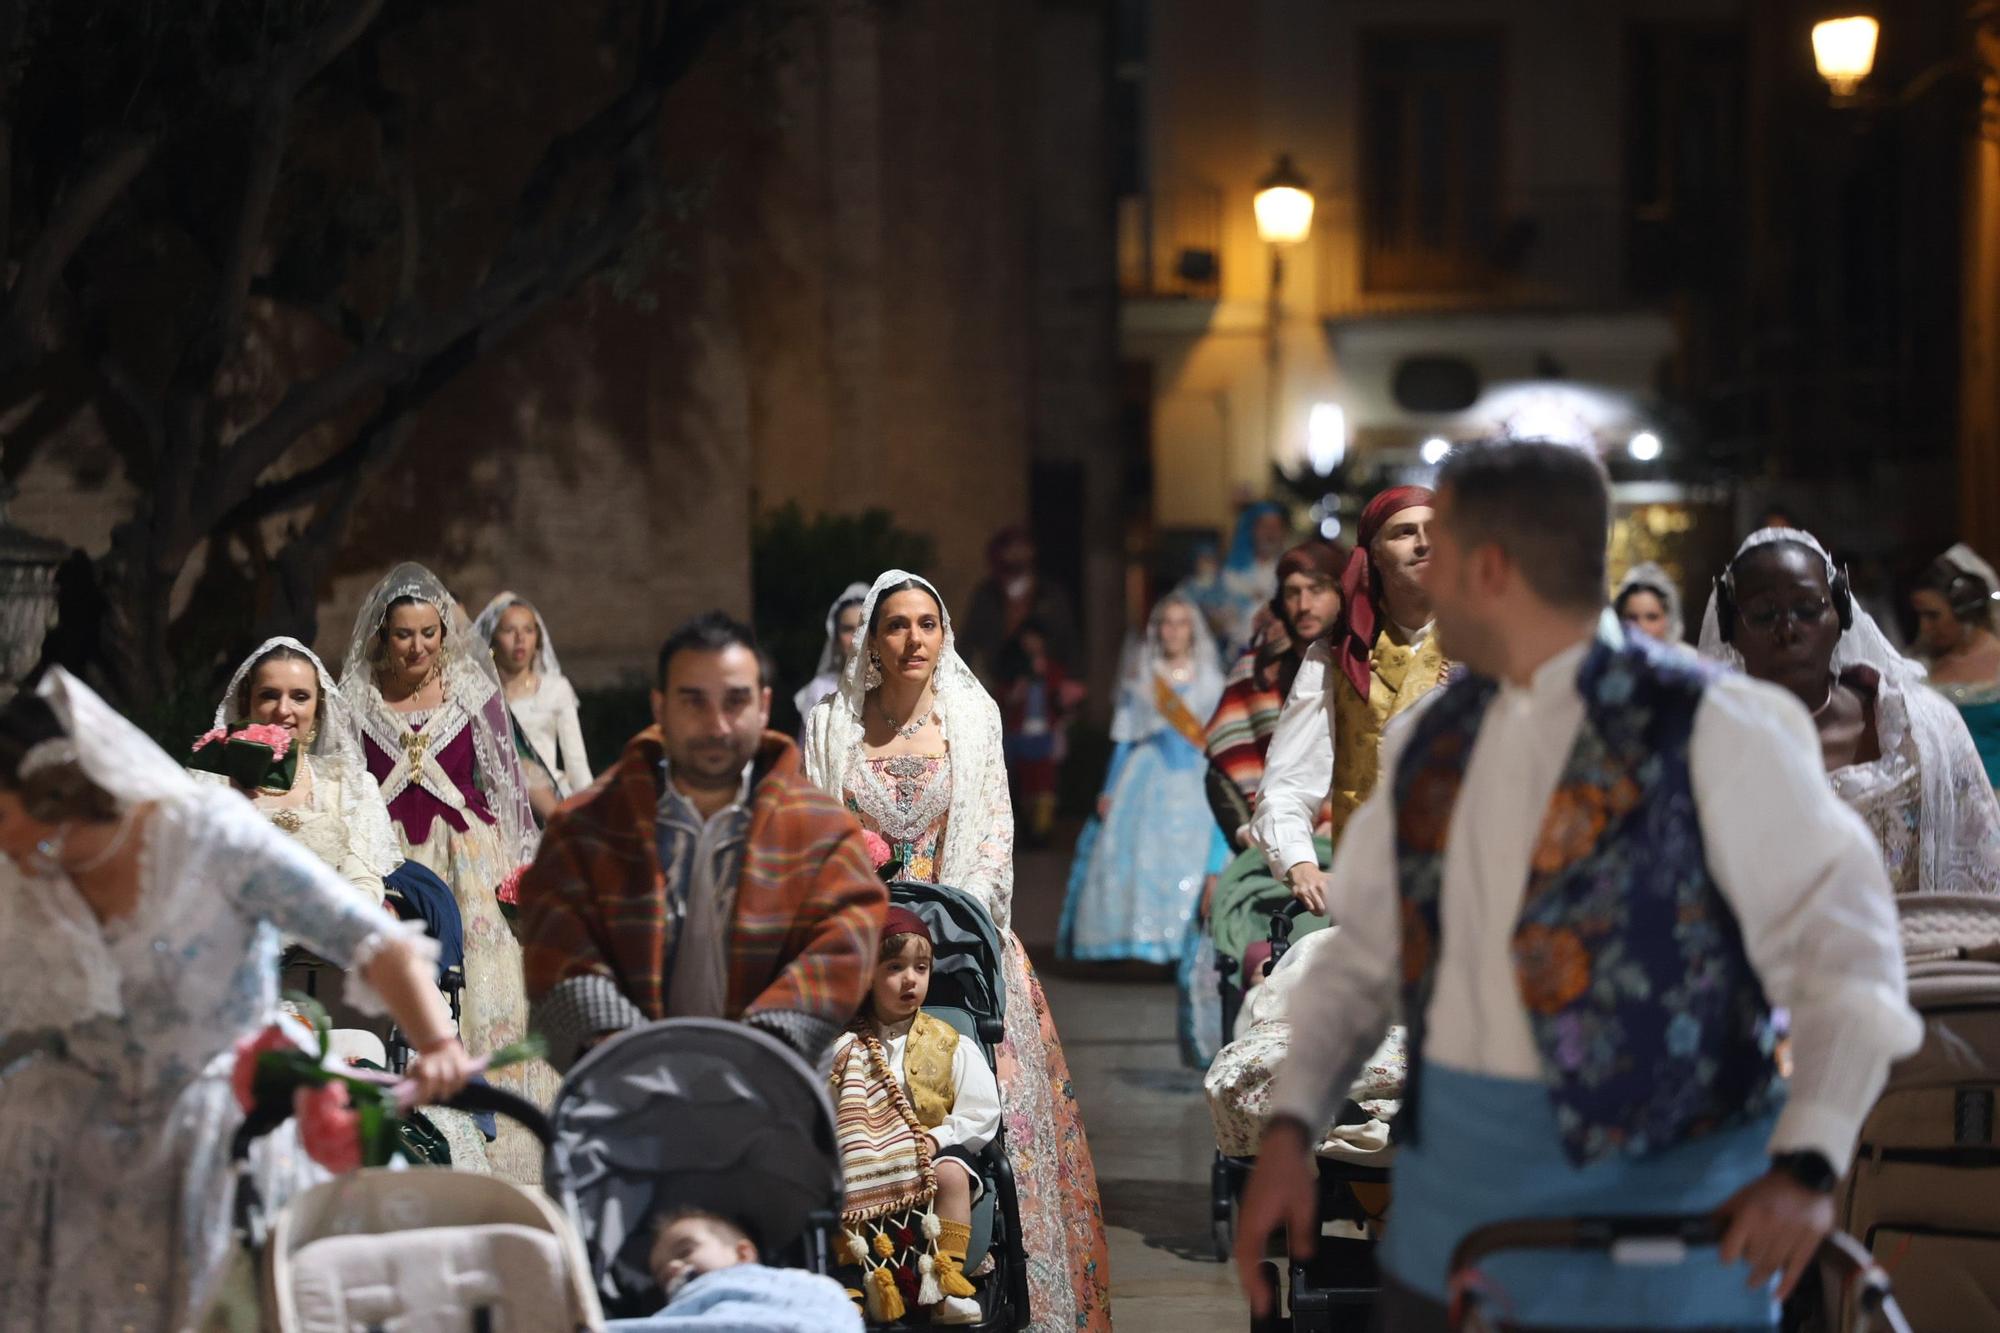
[885, 1303]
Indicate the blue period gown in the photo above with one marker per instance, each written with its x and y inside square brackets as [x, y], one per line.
[1136, 878]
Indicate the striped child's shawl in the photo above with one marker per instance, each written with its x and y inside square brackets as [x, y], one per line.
[884, 1153]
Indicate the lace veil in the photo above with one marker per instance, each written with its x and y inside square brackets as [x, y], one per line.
[1657, 581]
[55, 967]
[336, 749]
[1968, 561]
[483, 629]
[471, 684]
[854, 592]
[1137, 716]
[1959, 831]
[978, 851]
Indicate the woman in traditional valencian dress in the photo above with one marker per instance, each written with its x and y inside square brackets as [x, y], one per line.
[140, 912]
[1896, 753]
[436, 737]
[911, 743]
[1138, 872]
[540, 698]
[332, 805]
[335, 809]
[1956, 617]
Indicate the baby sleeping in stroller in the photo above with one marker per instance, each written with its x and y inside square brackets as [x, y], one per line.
[715, 1283]
[914, 1104]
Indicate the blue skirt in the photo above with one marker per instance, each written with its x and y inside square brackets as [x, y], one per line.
[1490, 1152]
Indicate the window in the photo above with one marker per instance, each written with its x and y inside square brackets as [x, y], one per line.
[1430, 155]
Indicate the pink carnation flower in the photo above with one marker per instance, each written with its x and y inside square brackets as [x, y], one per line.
[243, 1074]
[264, 733]
[208, 736]
[879, 850]
[509, 891]
[329, 1128]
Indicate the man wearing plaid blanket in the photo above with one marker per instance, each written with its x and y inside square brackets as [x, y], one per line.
[702, 875]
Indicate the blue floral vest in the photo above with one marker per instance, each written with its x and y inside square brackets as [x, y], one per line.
[1652, 1025]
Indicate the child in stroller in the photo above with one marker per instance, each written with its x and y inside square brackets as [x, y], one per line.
[713, 1277]
[915, 1104]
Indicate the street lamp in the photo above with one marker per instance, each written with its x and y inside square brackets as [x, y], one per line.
[1844, 52]
[1284, 208]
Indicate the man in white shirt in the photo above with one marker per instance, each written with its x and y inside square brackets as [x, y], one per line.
[1590, 874]
[1379, 659]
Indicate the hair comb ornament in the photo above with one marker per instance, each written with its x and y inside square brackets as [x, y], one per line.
[51, 753]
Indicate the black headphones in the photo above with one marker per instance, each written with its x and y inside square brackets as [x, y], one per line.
[1725, 598]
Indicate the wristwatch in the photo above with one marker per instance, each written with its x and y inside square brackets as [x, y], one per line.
[1809, 1168]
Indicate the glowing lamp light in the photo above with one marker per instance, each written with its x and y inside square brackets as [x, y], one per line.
[1284, 205]
[1326, 437]
[1330, 529]
[1433, 450]
[1645, 446]
[1844, 52]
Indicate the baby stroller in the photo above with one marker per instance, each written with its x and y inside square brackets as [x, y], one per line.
[969, 992]
[1247, 897]
[692, 1113]
[421, 1251]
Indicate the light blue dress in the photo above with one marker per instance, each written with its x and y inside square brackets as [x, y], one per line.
[1136, 879]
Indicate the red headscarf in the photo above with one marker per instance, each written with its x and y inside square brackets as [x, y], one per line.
[1359, 616]
[902, 921]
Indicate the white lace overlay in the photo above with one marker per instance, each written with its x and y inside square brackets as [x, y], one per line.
[1956, 821]
[114, 1138]
[472, 698]
[897, 823]
[978, 851]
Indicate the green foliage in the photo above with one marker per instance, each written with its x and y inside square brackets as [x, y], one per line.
[798, 565]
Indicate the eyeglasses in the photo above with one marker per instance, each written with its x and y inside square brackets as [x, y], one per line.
[1766, 619]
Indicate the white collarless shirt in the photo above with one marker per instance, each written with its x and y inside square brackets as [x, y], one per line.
[1797, 867]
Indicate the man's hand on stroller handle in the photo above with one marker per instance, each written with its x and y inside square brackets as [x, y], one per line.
[1308, 884]
[1283, 1191]
[1776, 1225]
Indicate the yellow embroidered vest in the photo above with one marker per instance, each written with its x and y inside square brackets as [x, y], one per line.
[1399, 676]
[927, 1057]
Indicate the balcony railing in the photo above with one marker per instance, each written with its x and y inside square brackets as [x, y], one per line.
[1170, 244]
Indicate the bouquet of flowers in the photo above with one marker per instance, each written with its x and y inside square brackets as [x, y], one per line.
[883, 855]
[348, 1115]
[254, 756]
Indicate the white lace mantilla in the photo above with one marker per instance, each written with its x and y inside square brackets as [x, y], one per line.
[978, 851]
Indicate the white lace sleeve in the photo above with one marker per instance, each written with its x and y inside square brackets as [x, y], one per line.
[371, 839]
[569, 744]
[1960, 829]
[990, 811]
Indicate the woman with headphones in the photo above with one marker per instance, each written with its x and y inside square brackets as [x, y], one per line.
[1896, 752]
[1956, 612]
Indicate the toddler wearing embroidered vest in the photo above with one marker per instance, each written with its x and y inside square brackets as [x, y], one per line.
[915, 1103]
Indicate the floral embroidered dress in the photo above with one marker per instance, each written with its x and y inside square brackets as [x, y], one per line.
[954, 809]
[115, 1132]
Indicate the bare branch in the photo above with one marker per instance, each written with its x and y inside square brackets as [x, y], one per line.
[84, 199]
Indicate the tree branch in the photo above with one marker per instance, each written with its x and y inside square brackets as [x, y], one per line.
[84, 199]
[527, 274]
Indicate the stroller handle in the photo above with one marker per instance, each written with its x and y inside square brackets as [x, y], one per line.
[472, 1098]
[1665, 1238]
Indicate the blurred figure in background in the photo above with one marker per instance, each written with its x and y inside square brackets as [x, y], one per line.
[1012, 593]
[1955, 621]
[1648, 600]
[540, 699]
[1037, 702]
[843, 621]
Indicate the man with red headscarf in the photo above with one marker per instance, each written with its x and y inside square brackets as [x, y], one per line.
[1380, 658]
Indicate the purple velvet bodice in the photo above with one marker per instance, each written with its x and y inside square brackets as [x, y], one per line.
[414, 808]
